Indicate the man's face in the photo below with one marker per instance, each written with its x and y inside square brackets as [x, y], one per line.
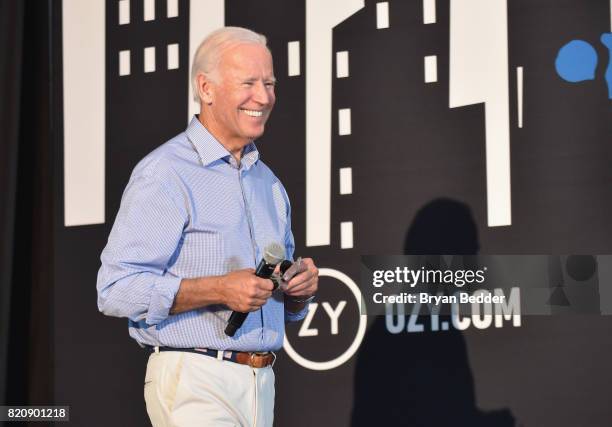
[243, 96]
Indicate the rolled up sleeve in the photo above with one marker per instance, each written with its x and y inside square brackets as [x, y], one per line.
[146, 238]
[162, 298]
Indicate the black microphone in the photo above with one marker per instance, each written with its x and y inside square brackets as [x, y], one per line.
[273, 254]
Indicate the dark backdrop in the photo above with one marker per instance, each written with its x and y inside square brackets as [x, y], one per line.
[26, 203]
[418, 176]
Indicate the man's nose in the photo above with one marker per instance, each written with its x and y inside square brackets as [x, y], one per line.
[261, 95]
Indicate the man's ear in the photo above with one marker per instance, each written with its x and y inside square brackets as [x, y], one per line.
[205, 89]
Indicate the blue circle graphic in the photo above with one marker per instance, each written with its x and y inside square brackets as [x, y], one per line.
[576, 61]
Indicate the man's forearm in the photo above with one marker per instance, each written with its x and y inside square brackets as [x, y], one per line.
[202, 291]
[197, 293]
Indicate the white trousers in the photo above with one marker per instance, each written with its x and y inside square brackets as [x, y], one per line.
[186, 390]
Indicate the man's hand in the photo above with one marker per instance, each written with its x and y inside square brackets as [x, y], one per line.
[306, 283]
[243, 291]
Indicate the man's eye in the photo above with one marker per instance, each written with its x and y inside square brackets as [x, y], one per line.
[270, 84]
[249, 84]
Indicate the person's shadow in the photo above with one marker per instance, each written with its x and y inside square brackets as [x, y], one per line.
[423, 378]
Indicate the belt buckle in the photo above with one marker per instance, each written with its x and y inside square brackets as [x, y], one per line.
[252, 357]
[264, 353]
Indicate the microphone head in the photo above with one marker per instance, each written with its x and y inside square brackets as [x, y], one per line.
[274, 253]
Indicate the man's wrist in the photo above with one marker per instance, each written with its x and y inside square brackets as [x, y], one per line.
[293, 306]
[300, 299]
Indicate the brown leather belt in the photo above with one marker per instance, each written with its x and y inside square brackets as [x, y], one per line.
[253, 359]
[256, 360]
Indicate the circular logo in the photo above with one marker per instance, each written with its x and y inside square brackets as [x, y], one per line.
[350, 351]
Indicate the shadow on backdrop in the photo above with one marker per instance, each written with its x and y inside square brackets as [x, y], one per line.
[423, 378]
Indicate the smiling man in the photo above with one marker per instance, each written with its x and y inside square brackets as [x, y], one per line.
[195, 219]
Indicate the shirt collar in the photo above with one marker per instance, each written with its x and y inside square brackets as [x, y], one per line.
[210, 150]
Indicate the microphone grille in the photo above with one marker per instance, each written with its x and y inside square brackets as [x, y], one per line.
[274, 253]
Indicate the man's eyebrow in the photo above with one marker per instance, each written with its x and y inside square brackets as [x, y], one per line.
[254, 79]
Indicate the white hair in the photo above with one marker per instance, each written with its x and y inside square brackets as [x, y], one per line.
[208, 54]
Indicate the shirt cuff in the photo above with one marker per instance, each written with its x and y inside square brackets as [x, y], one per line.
[295, 317]
[162, 298]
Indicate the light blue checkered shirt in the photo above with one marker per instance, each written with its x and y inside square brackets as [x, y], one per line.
[190, 211]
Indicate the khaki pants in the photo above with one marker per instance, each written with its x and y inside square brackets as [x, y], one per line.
[186, 389]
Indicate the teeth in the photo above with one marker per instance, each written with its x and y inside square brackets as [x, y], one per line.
[253, 113]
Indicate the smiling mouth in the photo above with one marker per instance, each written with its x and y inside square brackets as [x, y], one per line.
[252, 113]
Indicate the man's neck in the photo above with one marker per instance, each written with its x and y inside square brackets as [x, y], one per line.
[235, 147]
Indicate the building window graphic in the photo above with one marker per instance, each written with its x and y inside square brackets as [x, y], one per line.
[124, 12]
[124, 63]
[151, 56]
[137, 56]
[146, 50]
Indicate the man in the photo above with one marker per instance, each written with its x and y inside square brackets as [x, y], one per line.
[195, 219]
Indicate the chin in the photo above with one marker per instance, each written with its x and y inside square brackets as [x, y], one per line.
[256, 133]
